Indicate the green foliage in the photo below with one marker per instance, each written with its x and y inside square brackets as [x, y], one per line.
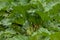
[29, 19]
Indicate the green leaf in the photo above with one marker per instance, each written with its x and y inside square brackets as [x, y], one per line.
[55, 36]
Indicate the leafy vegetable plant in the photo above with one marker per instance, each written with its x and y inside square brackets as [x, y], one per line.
[29, 19]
